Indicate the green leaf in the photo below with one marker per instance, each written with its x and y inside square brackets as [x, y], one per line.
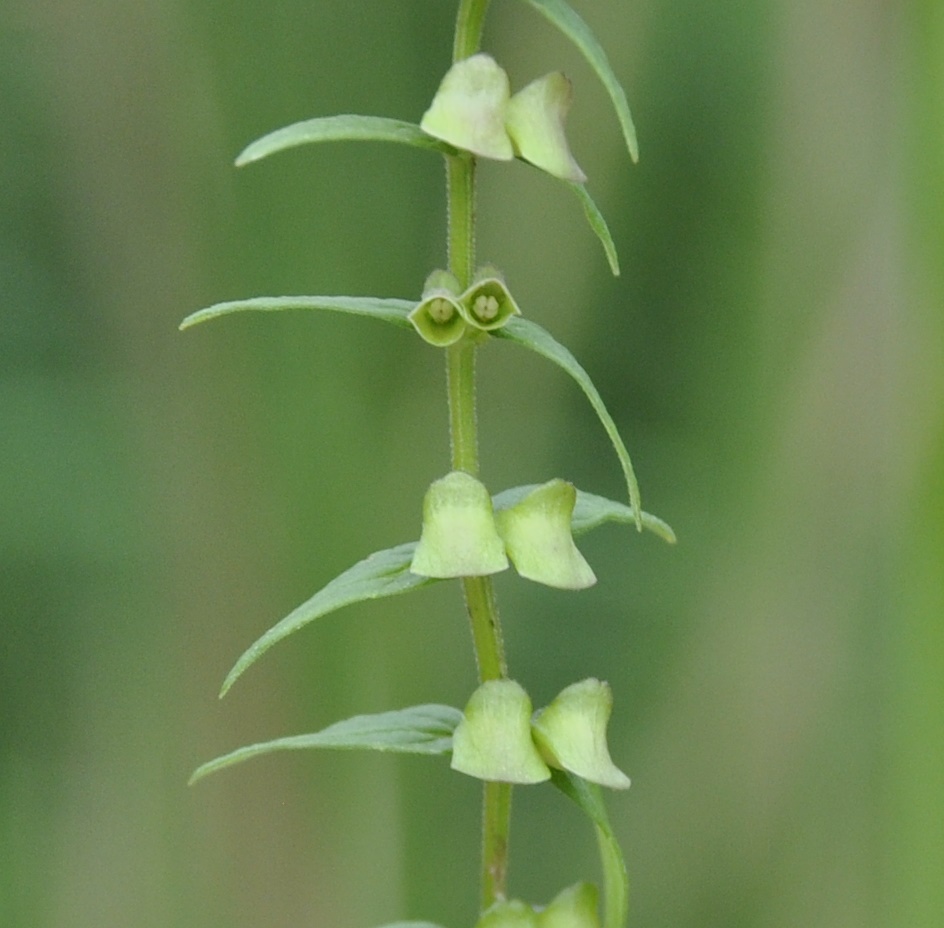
[590, 512]
[387, 310]
[347, 128]
[531, 335]
[615, 878]
[418, 730]
[598, 224]
[566, 19]
[385, 573]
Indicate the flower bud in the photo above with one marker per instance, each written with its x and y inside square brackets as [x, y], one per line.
[537, 536]
[468, 110]
[535, 118]
[438, 316]
[459, 537]
[493, 741]
[574, 907]
[571, 733]
[488, 303]
[508, 913]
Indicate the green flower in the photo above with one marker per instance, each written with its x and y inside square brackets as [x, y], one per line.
[459, 538]
[571, 733]
[493, 740]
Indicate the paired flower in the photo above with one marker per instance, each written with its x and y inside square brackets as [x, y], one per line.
[499, 738]
[464, 537]
[443, 315]
[474, 110]
[573, 907]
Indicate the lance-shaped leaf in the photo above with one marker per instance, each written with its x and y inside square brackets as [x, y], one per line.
[590, 512]
[346, 128]
[531, 335]
[615, 879]
[418, 730]
[385, 573]
[598, 225]
[386, 310]
[563, 16]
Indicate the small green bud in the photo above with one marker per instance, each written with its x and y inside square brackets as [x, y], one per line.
[571, 733]
[438, 316]
[537, 536]
[574, 907]
[488, 303]
[508, 913]
[468, 110]
[535, 118]
[493, 741]
[459, 537]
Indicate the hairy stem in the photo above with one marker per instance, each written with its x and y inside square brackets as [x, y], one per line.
[463, 426]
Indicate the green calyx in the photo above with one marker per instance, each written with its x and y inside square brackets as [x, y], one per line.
[573, 907]
[493, 740]
[468, 110]
[473, 110]
[571, 733]
[463, 536]
[535, 119]
[500, 740]
[537, 535]
[459, 537]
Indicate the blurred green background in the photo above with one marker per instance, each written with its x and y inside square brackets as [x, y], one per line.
[773, 353]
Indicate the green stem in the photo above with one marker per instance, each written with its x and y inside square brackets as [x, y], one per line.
[463, 428]
[469, 22]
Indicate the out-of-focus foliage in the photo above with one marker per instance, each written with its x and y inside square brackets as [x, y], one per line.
[772, 354]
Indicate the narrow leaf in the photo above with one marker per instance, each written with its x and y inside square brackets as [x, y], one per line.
[598, 224]
[385, 573]
[531, 335]
[590, 512]
[346, 128]
[387, 310]
[418, 730]
[565, 18]
[615, 878]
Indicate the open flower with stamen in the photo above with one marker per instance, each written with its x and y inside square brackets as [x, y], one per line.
[438, 316]
[488, 303]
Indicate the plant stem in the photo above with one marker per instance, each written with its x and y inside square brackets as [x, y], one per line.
[463, 428]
